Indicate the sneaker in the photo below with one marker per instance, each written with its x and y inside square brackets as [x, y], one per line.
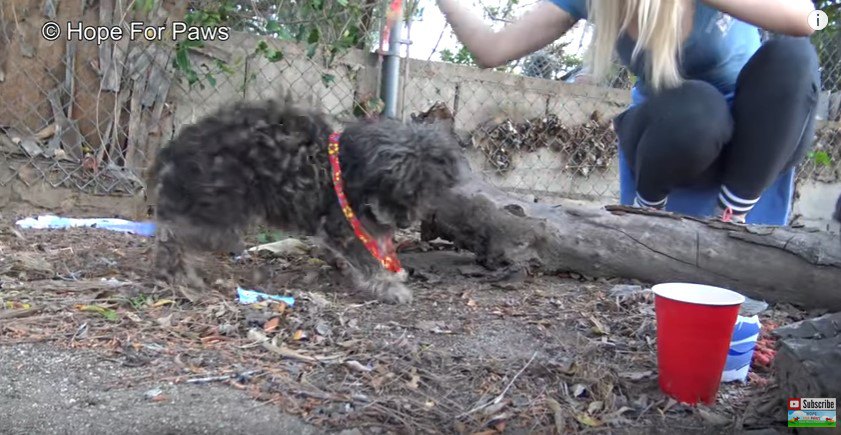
[727, 215]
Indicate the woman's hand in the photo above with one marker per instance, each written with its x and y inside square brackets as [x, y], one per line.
[531, 32]
[789, 17]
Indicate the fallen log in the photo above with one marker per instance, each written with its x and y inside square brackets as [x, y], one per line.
[776, 264]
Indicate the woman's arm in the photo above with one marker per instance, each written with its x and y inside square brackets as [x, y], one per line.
[531, 32]
[789, 17]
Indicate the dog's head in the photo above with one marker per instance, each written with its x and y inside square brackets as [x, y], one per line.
[394, 171]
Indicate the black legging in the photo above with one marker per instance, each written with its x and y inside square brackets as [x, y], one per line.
[688, 136]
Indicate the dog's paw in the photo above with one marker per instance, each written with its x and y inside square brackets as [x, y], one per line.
[396, 293]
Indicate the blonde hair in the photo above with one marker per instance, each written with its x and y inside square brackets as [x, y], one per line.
[660, 30]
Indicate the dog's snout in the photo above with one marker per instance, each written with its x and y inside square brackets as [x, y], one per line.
[403, 223]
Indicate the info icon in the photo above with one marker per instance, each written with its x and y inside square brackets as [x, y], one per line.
[794, 404]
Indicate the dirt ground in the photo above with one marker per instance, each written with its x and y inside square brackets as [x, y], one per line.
[91, 345]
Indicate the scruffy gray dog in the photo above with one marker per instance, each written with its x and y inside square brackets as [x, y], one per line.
[268, 162]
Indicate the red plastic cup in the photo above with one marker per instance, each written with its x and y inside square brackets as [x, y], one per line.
[694, 326]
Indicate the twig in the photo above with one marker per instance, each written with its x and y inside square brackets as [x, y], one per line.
[289, 353]
[440, 37]
[221, 378]
[502, 394]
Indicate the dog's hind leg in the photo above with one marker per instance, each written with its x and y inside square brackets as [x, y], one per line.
[179, 246]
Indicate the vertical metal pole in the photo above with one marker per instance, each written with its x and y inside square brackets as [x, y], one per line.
[391, 70]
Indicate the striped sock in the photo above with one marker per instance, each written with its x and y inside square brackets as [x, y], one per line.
[640, 202]
[737, 205]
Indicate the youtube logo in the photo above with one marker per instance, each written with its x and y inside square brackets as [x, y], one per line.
[794, 404]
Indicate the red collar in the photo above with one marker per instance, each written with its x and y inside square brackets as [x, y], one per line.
[389, 258]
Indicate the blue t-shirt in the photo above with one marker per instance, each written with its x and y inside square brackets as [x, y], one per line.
[716, 50]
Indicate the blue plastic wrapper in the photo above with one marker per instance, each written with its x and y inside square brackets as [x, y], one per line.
[57, 222]
[245, 296]
[742, 345]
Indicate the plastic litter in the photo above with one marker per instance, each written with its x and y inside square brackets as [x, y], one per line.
[741, 349]
[57, 222]
[245, 296]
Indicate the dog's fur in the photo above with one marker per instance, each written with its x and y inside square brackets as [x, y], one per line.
[268, 162]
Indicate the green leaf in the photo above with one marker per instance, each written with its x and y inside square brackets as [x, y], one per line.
[314, 36]
[342, 3]
[224, 67]
[210, 79]
[107, 313]
[274, 56]
[192, 77]
[327, 79]
[311, 50]
[273, 27]
[299, 35]
[262, 47]
[144, 6]
[182, 61]
[821, 158]
[283, 33]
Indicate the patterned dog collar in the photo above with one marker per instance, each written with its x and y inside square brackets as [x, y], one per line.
[389, 258]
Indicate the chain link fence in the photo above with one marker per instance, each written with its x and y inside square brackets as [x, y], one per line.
[91, 116]
[538, 126]
[824, 163]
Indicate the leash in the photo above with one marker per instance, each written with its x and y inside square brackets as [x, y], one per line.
[389, 258]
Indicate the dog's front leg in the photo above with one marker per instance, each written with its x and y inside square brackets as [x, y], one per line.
[173, 260]
[351, 258]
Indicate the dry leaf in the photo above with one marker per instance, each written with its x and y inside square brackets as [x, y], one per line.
[500, 427]
[578, 390]
[413, 382]
[211, 339]
[557, 414]
[586, 420]
[714, 418]
[379, 381]
[299, 335]
[356, 365]
[471, 303]
[636, 376]
[272, 324]
[280, 307]
[162, 302]
[165, 322]
[349, 343]
[495, 408]
[599, 327]
[595, 407]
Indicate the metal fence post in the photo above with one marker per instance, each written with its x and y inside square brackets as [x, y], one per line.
[391, 70]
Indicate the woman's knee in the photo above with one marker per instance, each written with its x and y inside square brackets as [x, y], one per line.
[784, 62]
[690, 122]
